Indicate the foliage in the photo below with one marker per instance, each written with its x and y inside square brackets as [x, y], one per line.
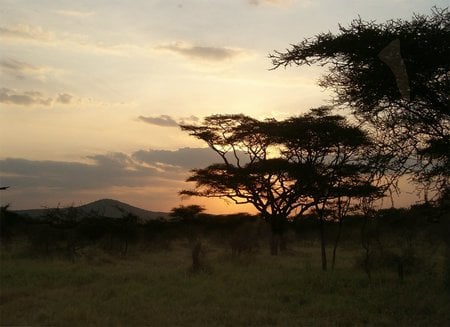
[187, 212]
[395, 75]
[155, 288]
[282, 168]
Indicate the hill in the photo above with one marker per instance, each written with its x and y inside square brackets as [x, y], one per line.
[106, 207]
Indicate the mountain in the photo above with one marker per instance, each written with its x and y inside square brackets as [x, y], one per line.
[106, 208]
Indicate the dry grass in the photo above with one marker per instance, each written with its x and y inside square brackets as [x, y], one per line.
[158, 289]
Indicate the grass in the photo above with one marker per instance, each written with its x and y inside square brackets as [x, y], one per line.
[157, 288]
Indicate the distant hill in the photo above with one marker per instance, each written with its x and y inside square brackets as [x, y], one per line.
[106, 208]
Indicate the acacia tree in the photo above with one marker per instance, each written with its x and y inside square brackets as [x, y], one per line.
[282, 168]
[336, 165]
[247, 173]
[395, 76]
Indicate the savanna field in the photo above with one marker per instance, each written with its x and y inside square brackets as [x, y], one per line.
[152, 281]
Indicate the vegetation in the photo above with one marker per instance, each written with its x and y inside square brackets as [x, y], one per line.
[395, 76]
[154, 278]
[284, 168]
[314, 179]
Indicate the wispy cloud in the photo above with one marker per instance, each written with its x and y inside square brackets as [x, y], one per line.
[74, 13]
[27, 98]
[270, 2]
[20, 69]
[203, 53]
[182, 159]
[39, 36]
[163, 120]
[32, 98]
[168, 121]
[23, 31]
[185, 158]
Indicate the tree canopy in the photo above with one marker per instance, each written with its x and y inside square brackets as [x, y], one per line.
[282, 168]
[395, 75]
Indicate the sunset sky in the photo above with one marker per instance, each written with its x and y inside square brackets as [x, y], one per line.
[91, 92]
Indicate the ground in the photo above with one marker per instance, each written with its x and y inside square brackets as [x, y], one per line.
[158, 288]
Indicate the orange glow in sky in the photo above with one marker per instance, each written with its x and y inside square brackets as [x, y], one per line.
[91, 92]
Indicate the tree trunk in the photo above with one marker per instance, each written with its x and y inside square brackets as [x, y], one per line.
[322, 244]
[277, 240]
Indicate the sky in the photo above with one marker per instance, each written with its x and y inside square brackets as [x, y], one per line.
[92, 92]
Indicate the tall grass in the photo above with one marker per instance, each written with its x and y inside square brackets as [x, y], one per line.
[158, 288]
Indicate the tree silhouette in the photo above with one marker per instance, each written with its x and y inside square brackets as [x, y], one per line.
[282, 168]
[334, 162]
[394, 75]
[186, 212]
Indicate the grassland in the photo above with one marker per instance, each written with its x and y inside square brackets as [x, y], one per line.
[158, 288]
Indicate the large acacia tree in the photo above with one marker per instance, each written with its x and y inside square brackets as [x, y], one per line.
[394, 75]
[282, 168]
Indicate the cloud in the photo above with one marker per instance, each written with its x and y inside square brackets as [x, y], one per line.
[168, 121]
[74, 13]
[31, 98]
[114, 169]
[64, 98]
[23, 31]
[205, 53]
[17, 68]
[184, 158]
[155, 176]
[36, 98]
[37, 35]
[20, 69]
[163, 120]
[283, 3]
[187, 158]
[27, 98]
[271, 2]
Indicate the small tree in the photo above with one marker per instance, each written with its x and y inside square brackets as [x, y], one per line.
[186, 212]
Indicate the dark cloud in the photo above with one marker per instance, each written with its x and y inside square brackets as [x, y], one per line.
[27, 98]
[163, 120]
[153, 174]
[116, 169]
[202, 52]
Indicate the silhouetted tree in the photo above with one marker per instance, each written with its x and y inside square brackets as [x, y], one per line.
[247, 173]
[335, 164]
[394, 75]
[186, 212]
[10, 224]
[282, 168]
